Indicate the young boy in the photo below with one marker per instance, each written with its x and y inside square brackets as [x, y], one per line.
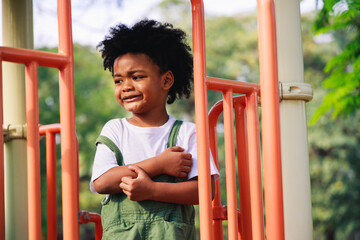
[147, 164]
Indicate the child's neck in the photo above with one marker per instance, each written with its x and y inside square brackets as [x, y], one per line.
[146, 120]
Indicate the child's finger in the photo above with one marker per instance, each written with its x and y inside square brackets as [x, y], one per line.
[177, 149]
[188, 162]
[182, 175]
[126, 192]
[126, 180]
[138, 170]
[123, 186]
[187, 156]
[186, 169]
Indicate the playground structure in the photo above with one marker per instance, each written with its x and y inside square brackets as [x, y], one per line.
[248, 223]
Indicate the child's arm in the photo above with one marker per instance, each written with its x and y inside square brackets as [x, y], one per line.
[173, 161]
[143, 188]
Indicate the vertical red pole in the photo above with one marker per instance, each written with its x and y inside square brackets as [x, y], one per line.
[2, 177]
[271, 122]
[67, 120]
[33, 151]
[230, 165]
[257, 214]
[216, 203]
[201, 107]
[51, 185]
[243, 170]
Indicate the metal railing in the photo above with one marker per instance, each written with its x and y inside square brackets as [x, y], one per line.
[245, 224]
[84, 217]
[63, 60]
[219, 211]
[50, 132]
[268, 89]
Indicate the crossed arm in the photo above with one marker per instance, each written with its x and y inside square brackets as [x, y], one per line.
[135, 180]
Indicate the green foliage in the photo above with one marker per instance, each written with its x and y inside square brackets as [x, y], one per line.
[334, 171]
[333, 146]
[334, 152]
[231, 48]
[343, 81]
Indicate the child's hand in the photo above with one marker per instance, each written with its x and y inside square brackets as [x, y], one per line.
[139, 188]
[175, 162]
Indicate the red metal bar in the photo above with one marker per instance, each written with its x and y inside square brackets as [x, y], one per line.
[274, 212]
[50, 128]
[257, 215]
[67, 119]
[77, 175]
[50, 131]
[272, 160]
[25, 56]
[219, 214]
[230, 165]
[202, 128]
[86, 217]
[2, 187]
[220, 84]
[51, 185]
[243, 168]
[33, 153]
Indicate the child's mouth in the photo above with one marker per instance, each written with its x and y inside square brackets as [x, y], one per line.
[131, 98]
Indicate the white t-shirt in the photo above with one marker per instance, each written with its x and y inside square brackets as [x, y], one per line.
[139, 143]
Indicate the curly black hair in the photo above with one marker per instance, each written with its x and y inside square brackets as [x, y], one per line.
[165, 45]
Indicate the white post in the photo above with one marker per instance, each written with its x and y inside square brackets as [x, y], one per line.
[17, 20]
[294, 145]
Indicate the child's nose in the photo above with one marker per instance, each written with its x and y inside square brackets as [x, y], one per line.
[127, 85]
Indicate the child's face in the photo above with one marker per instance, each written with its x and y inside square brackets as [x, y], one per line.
[139, 86]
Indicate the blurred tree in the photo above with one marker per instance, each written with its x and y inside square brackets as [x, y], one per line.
[341, 19]
[334, 153]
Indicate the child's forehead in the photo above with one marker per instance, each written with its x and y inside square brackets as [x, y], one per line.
[131, 61]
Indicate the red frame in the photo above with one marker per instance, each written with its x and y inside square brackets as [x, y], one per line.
[247, 224]
[63, 60]
[268, 90]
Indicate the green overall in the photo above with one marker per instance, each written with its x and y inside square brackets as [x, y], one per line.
[126, 219]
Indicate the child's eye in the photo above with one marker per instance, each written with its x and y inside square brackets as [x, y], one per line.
[137, 77]
[117, 81]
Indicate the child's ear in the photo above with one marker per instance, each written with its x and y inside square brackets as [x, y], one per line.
[167, 80]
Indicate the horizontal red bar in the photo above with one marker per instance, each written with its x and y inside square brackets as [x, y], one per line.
[220, 84]
[51, 128]
[25, 56]
[86, 217]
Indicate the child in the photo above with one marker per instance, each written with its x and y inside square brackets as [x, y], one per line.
[147, 164]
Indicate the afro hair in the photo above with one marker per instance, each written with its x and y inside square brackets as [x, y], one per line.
[163, 43]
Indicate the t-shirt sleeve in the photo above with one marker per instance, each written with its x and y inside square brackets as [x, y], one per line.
[104, 158]
[192, 148]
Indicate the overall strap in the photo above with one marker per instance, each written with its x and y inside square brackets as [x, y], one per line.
[173, 133]
[110, 144]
